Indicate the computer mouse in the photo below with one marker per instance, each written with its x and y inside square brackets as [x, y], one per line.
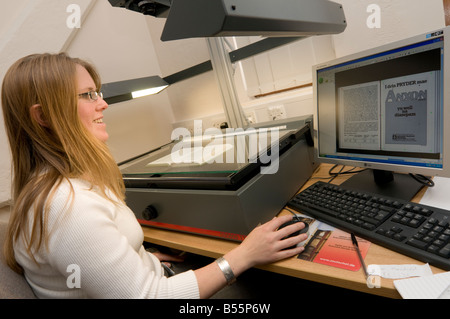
[293, 221]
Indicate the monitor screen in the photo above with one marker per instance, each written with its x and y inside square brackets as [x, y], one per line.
[384, 108]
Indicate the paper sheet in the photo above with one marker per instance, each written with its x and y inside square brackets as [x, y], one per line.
[194, 156]
[445, 294]
[399, 271]
[437, 196]
[429, 287]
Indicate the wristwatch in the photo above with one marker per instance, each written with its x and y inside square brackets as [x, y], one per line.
[226, 270]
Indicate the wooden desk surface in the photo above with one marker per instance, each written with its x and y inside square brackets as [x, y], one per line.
[355, 280]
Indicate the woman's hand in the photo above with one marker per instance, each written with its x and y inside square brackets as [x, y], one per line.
[267, 243]
[167, 259]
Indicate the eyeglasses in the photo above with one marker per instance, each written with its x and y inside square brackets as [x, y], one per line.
[91, 95]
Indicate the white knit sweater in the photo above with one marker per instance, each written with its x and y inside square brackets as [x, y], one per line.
[97, 246]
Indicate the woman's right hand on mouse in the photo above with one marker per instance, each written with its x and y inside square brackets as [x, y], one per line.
[265, 244]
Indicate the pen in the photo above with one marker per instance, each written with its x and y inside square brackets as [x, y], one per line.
[361, 260]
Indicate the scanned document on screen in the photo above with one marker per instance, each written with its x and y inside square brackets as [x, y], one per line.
[390, 115]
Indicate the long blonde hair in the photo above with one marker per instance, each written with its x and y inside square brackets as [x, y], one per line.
[44, 156]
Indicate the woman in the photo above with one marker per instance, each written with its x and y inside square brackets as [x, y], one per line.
[69, 212]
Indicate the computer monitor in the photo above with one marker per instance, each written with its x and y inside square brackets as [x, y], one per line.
[386, 109]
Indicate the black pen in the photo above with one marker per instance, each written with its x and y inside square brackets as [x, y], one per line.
[361, 260]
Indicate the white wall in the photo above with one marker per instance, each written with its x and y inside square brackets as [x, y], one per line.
[193, 98]
[399, 19]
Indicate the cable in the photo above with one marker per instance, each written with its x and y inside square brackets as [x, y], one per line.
[423, 179]
[350, 171]
[418, 177]
[293, 213]
[334, 175]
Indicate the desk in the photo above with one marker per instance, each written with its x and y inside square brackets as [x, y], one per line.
[355, 280]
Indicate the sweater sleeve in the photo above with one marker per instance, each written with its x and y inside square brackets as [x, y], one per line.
[111, 264]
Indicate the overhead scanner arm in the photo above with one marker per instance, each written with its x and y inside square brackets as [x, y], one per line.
[211, 18]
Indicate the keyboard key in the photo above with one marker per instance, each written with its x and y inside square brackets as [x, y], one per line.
[399, 237]
[417, 243]
[445, 252]
[433, 249]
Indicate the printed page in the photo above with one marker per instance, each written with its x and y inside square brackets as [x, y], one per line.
[408, 106]
[359, 114]
[330, 246]
[338, 251]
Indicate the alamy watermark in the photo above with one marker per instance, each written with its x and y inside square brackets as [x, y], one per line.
[232, 146]
[74, 279]
[374, 19]
[373, 281]
[73, 21]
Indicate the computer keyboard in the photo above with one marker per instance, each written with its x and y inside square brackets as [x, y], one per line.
[419, 231]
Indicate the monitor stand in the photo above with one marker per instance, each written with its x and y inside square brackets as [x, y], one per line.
[385, 183]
